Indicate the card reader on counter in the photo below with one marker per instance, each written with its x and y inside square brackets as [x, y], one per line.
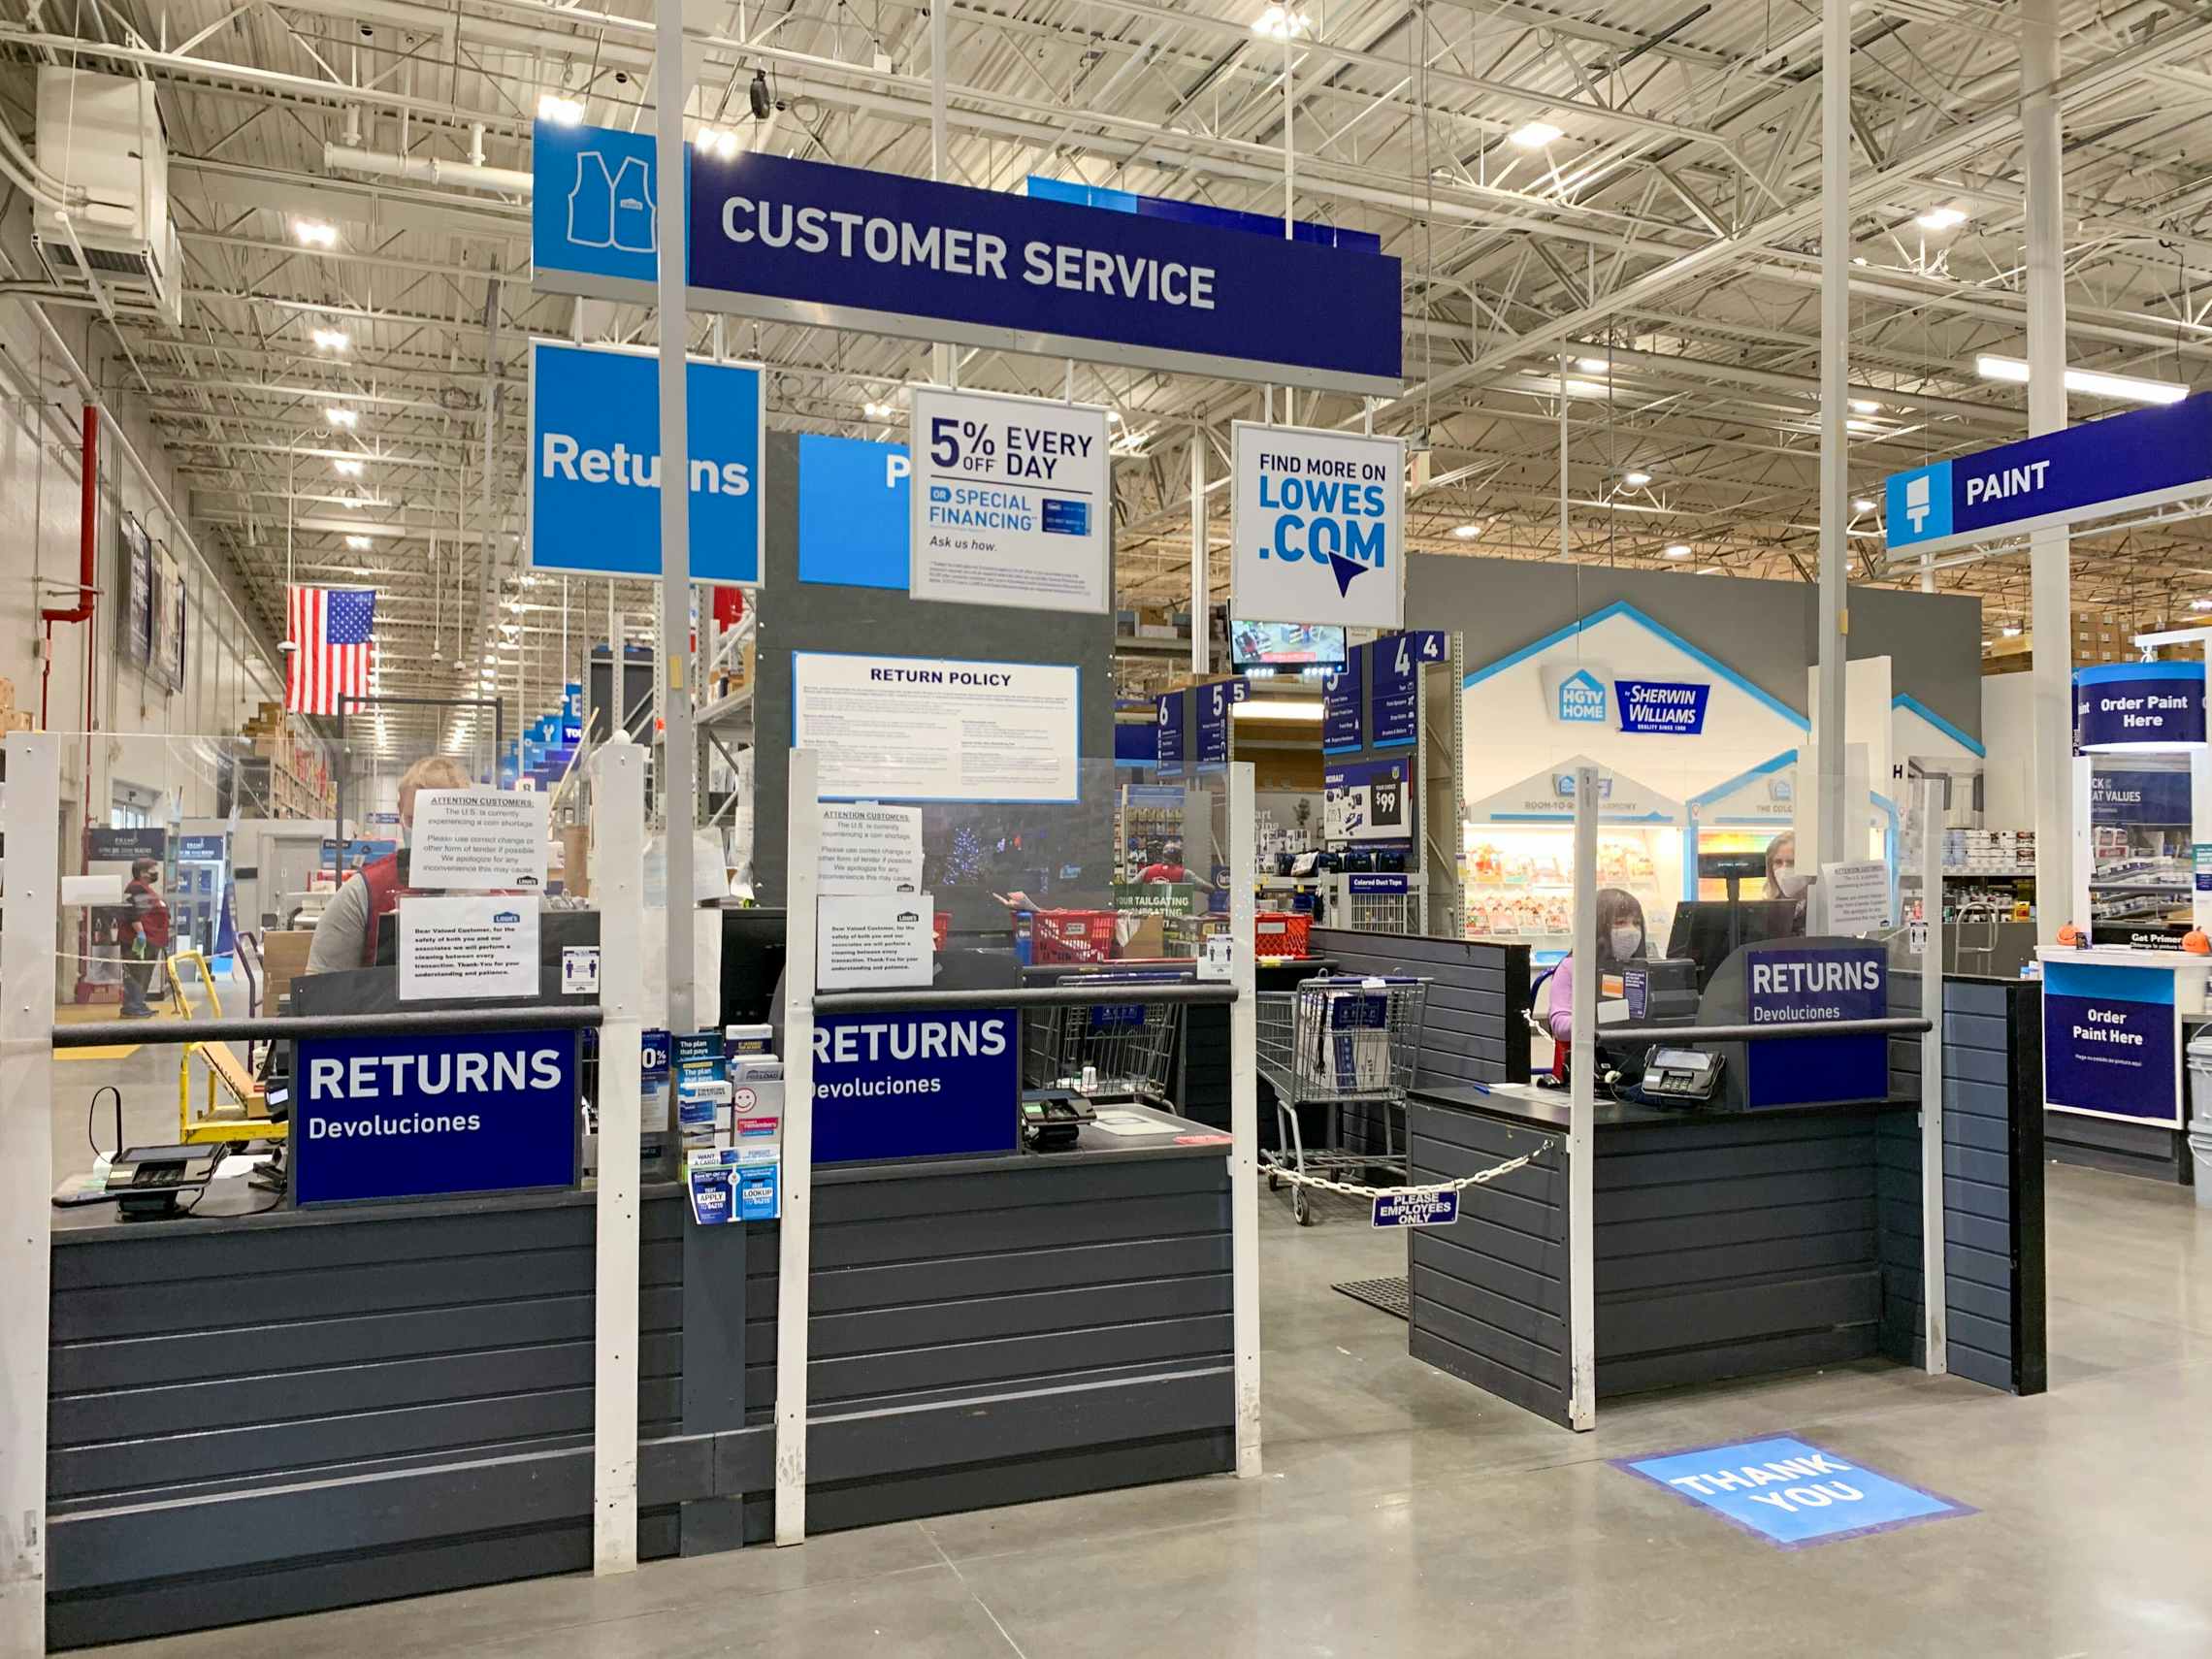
[1679, 1076]
[1051, 1119]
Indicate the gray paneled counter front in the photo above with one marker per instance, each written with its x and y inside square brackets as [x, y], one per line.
[267, 1415]
[1729, 1245]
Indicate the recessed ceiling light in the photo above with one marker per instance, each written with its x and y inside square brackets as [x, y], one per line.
[1534, 134]
[1635, 481]
[563, 112]
[1679, 550]
[1941, 218]
[1466, 531]
[314, 233]
[342, 417]
[331, 339]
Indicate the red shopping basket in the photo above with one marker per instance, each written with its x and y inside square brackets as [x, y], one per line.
[1071, 936]
[1282, 932]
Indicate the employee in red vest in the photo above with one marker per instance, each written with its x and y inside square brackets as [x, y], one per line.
[347, 935]
[144, 936]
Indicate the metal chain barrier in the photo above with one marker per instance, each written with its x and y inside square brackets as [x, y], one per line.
[1276, 1167]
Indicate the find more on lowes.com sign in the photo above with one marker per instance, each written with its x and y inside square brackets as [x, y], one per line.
[1317, 527]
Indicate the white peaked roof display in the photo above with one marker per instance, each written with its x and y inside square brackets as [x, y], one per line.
[1548, 797]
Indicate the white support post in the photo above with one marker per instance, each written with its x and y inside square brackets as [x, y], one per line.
[1581, 1109]
[1830, 804]
[679, 757]
[1934, 1294]
[618, 888]
[1201, 588]
[29, 916]
[1564, 546]
[1244, 1124]
[2080, 864]
[2050, 578]
[794, 1255]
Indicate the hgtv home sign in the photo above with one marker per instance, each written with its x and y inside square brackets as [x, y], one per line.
[1582, 694]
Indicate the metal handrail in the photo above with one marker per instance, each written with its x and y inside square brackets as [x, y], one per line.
[1034, 996]
[1895, 1026]
[172, 1032]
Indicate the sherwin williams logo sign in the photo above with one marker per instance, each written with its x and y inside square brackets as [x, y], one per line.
[1582, 698]
[1319, 527]
[594, 446]
[1666, 706]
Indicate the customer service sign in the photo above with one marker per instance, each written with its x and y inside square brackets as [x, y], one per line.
[1011, 499]
[1318, 525]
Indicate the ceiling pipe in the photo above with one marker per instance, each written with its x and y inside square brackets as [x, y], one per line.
[428, 169]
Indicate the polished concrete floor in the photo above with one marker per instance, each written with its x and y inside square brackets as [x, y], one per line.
[1405, 1514]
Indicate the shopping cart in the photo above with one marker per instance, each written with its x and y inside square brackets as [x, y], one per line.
[1337, 1042]
[1128, 1047]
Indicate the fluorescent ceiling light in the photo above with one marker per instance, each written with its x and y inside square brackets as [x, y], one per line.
[2201, 605]
[1860, 426]
[1865, 406]
[350, 469]
[2011, 630]
[314, 233]
[331, 339]
[1278, 708]
[567, 112]
[2089, 382]
[360, 544]
[1679, 550]
[1635, 481]
[1941, 218]
[1593, 365]
[1534, 134]
[1862, 504]
[342, 417]
[717, 140]
[1466, 531]
[1280, 23]
[878, 411]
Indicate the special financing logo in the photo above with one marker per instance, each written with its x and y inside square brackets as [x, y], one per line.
[1919, 505]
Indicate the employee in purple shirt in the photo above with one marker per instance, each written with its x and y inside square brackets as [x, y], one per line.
[1620, 940]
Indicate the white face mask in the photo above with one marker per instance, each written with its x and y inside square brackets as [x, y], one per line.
[1787, 879]
[1625, 941]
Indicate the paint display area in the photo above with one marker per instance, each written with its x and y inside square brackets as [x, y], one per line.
[1519, 879]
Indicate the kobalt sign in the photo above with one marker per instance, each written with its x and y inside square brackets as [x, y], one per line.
[1317, 527]
[594, 446]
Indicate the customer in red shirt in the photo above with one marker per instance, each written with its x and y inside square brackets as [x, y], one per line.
[144, 936]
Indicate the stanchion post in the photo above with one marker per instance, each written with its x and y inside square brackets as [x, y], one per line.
[1581, 1109]
[1244, 1122]
[1931, 1240]
[618, 887]
[29, 915]
[803, 873]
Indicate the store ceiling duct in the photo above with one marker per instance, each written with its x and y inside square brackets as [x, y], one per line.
[426, 170]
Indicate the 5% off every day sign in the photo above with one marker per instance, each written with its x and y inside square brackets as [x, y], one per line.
[1012, 497]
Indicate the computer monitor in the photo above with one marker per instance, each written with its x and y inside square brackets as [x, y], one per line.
[752, 962]
[1709, 931]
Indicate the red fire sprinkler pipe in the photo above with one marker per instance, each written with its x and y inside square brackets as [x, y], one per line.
[87, 542]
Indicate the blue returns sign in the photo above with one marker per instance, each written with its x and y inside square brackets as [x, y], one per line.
[594, 465]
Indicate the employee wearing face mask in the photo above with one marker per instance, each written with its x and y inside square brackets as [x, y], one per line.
[1782, 878]
[1620, 940]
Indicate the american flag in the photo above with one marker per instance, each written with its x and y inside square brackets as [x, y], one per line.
[333, 651]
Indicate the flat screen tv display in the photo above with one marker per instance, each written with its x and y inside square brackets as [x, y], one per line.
[1286, 645]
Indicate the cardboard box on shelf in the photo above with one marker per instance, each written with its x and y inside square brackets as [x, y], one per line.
[1148, 938]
